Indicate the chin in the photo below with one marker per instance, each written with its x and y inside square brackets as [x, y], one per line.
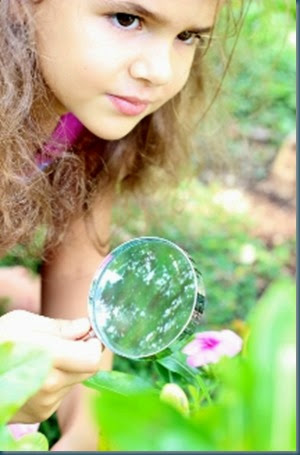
[111, 132]
[111, 136]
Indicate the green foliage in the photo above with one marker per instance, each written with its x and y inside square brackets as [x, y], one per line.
[258, 399]
[29, 256]
[255, 110]
[20, 256]
[216, 237]
[50, 428]
[34, 442]
[118, 382]
[22, 371]
[254, 410]
[142, 422]
[272, 362]
[262, 79]
[176, 363]
[16, 382]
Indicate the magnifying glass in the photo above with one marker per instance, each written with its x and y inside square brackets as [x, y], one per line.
[146, 295]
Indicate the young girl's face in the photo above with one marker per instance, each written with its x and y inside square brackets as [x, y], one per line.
[113, 62]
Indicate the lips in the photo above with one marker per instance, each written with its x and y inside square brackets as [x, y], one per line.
[129, 105]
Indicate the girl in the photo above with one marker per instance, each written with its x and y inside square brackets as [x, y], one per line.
[95, 98]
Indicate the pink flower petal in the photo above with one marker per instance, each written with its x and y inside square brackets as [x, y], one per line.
[192, 348]
[18, 430]
[211, 346]
[191, 361]
[232, 344]
[209, 334]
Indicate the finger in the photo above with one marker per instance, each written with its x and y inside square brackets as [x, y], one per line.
[59, 380]
[68, 355]
[75, 356]
[69, 329]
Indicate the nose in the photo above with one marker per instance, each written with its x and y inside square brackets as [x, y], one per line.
[154, 65]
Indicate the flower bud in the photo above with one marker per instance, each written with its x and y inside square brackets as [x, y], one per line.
[175, 396]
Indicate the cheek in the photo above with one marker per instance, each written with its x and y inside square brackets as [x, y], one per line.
[77, 76]
[97, 66]
[100, 51]
[97, 63]
[181, 76]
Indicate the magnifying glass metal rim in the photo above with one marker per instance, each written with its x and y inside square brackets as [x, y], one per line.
[197, 301]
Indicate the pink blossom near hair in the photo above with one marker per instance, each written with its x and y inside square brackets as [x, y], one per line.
[210, 347]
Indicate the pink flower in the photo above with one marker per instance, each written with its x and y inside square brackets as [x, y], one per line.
[18, 430]
[209, 347]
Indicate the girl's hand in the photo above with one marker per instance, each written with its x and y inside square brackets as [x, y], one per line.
[73, 360]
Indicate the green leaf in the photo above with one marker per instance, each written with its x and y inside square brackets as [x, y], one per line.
[7, 442]
[272, 357]
[30, 442]
[142, 422]
[22, 371]
[176, 363]
[118, 382]
[33, 442]
[258, 398]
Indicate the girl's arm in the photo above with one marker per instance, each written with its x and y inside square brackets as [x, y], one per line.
[66, 279]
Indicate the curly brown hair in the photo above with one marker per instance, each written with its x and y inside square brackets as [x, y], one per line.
[31, 198]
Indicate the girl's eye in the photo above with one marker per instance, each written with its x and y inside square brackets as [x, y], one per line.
[190, 38]
[127, 21]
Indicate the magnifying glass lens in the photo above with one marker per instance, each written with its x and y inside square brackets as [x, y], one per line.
[143, 296]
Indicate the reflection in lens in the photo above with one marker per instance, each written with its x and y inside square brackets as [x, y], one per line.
[142, 297]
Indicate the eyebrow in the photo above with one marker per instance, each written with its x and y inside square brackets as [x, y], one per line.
[130, 7]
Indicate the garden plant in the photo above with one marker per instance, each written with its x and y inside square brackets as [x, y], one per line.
[237, 403]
